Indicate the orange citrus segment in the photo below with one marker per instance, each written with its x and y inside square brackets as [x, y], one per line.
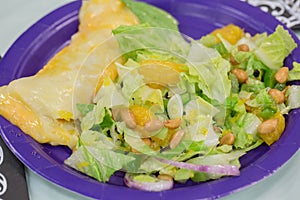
[270, 138]
[231, 33]
[141, 114]
[111, 72]
[179, 67]
[158, 72]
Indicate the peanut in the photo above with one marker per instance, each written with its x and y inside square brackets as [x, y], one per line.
[165, 177]
[243, 47]
[268, 126]
[176, 138]
[135, 151]
[172, 123]
[277, 95]
[127, 117]
[147, 141]
[227, 139]
[240, 74]
[233, 61]
[153, 125]
[282, 75]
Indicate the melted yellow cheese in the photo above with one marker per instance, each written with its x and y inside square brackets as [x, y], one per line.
[44, 105]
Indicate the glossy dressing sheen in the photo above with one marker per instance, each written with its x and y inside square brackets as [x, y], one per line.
[43, 105]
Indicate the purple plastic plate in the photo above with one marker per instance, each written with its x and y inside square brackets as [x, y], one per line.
[196, 17]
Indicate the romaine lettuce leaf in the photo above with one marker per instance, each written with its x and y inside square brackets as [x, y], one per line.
[131, 82]
[135, 140]
[148, 97]
[294, 74]
[110, 94]
[93, 117]
[216, 159]
[96, 139]
[293, 97]
[97, 162]
[152, 15]
[143, 41]
[275, 48]
[261, 100]
[211, 70]
[245, 130]
[85, 108]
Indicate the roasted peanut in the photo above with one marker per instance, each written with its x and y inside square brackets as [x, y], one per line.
[135, 151]
[127, 117]
[282, 75]
[172, 123]
[227, 139]
[147, 141]
[240, 74]
[165, 177]
[233, 61]
[268, 126]
[277, 95]
[176, 138]
[153, 125]
[243, 47]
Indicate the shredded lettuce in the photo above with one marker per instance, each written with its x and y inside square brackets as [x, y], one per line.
[149, 41]
[152, 15]
[222, 159]
[275, 48]
[294, 97]
[294, 74]
[207, 99]
[211, 70]
[93, 117]
[97, 162]
[148, 97]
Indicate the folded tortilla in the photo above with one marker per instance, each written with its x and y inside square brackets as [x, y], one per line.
[44, 105]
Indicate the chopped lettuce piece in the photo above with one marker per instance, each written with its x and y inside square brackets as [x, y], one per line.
[152, 15]
[211, 70]
[95, 139]
[140, 40]
[97, 162]
[148, 97]
[294, 97]
[135, 140]
[197, 107]
[245, 135]
[93, 117]
[175, 107]
[261, 100]
[275, 48]
[182, 175]
[294, 74]
[110, 94]
[221, 159]
[85, 108]
[131, 82]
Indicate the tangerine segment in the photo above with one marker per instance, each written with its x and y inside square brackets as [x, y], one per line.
[141, 114]
[111, 71]
[231, 33]
[179, 67]
[161, 72]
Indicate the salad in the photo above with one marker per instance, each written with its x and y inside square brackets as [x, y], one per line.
[178, 109]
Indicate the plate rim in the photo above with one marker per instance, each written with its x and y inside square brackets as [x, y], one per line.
[18, 49]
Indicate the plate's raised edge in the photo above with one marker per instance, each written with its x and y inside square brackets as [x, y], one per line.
[106, 190]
